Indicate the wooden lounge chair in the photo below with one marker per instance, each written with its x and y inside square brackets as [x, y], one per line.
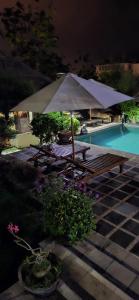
[59, 151]
[99, 165]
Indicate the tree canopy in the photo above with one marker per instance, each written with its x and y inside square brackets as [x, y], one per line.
[12, 91]
[123, 81]
[32, 37]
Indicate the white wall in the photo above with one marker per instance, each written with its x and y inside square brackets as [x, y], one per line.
[23, 140]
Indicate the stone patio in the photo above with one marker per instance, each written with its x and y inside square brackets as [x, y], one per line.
[109, 257]
[117, 209]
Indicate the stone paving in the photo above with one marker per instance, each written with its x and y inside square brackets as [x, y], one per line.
[117, 209]
[110, 256]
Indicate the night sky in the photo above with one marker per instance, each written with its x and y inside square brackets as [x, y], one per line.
[104, 28]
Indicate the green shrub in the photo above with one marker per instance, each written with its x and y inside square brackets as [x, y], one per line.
[67, 212]
[17, 174]
[47, 126]
[131, 109]
[66, 123]
[6, 132]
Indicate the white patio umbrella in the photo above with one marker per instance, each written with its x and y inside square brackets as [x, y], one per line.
[70, 93]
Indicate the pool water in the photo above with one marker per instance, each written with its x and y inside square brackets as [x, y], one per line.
[123, 138]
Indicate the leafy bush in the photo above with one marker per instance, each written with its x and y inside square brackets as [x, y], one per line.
[67, 123]
[17, 174]
[67, 212]
[6, 132]
[47, 126]
[130, 109]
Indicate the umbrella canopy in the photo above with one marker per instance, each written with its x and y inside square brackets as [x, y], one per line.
[69, 93]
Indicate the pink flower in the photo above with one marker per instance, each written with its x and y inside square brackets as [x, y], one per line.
[82, 187]
[13, 228]
[10, 228]
[16, 228]
[97, 195]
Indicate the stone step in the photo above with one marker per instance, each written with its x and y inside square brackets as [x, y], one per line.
[90, 278]
[116, 264]
[95, 268]
[16, 292]
[97, 253]
[113, 250]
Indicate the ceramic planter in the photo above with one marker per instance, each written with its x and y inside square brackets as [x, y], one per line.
[43, 292]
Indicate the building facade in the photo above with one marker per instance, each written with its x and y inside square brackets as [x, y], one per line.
[132, 67]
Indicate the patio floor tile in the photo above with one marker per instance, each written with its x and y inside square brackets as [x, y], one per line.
[99, 209]
[93, 184]
[103, 227]
[105, 189]
[110, 175]
[100, 258]
[135, 170]
[130, 173]
[119, 195]
[116, 250]
[113, 183]
[137, 194]
[126, 208]
[134, 201]
[128, 189]
[132, 226]
[134, 183]
[135, 286]
[109, 201]
[136, 216]
[121, 273]
[114, 217]
[135, 249]
[101, 179]
[122, 178]
[132, 261]
[122, 238]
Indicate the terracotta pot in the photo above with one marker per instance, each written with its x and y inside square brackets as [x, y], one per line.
[64, 137]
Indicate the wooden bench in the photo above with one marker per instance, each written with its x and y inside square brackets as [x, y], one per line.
[100, 165]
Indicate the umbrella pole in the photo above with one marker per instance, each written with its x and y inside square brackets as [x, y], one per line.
[90, 114]
[72, 136]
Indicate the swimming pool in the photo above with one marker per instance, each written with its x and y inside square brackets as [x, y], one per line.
[123, 138]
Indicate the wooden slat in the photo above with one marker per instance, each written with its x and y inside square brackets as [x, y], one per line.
[61, 151]
[101, 164]
[104, 163]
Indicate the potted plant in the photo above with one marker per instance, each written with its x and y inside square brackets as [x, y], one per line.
[65, 135]
[39, 274]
